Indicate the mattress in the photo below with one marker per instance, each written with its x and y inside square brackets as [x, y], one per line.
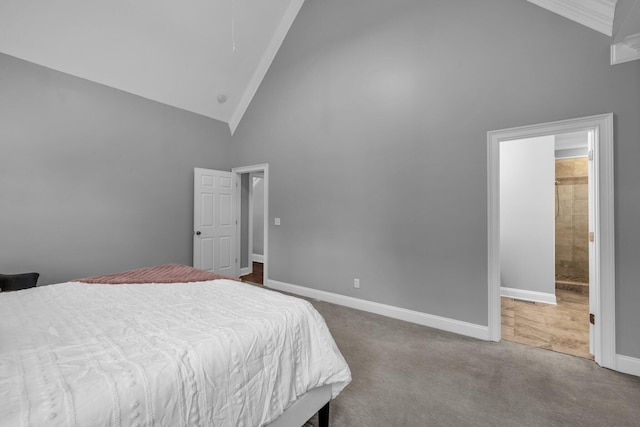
[214, 353]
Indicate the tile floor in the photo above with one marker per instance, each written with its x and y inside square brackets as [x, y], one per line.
[563, 327]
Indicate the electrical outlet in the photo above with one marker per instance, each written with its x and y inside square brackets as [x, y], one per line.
[356, 283]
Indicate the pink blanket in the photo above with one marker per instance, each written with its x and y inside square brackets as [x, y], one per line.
[167, 273]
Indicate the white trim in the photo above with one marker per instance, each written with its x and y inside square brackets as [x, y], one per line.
[528, 295]
[264, 168]
[604, 247]
[450, 325]
[592, 200]
[628, 365]
[265, 62]
[624, 52]
[604, 258]
[493, 238]
[595, 14]
[244, 271]
[257, 258]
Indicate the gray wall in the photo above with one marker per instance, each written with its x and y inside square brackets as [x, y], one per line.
[373, 119]
[94, 180]
[527, 214]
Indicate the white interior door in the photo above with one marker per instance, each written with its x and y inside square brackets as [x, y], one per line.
[214, 221]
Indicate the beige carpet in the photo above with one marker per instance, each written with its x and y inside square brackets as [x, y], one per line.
[411, 375]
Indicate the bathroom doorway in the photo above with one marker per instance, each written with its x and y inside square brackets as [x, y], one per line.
[253, 231]
[544, 227]
[601, 271]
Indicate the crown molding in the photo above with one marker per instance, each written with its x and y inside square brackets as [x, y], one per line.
[595, 14]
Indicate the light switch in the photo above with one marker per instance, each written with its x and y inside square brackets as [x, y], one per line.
[276, 221]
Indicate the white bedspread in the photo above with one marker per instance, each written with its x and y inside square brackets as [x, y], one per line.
[218, 353]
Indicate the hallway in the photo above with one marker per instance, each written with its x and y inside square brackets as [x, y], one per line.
[256, 277]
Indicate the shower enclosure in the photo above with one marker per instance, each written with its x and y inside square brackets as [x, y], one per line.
[572, 223]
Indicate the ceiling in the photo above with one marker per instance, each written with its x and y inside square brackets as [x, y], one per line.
[204, 56]
[207, 56]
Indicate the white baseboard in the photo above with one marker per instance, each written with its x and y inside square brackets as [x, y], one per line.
[446, 324]
[528, 295]
[628, 365]
[257, 258]
[244, 271]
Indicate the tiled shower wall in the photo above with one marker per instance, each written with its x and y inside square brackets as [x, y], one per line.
[572, 219]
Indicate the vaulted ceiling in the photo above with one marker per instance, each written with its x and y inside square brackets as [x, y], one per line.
[204, 56]
[207, 56]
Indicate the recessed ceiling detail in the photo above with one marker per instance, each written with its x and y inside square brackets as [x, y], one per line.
[572, 140]
[607, 17]
[626, 41]
[595, 14]
[181, 53]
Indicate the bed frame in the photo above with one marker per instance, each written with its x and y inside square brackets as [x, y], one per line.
[316, 400]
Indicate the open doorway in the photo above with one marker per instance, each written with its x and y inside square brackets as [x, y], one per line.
[252, 197]
[252, 241]
[601, 277]
[545, 251]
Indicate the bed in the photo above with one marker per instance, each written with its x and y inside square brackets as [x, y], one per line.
[186, 352]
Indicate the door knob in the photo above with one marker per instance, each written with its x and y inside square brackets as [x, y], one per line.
[198, 233]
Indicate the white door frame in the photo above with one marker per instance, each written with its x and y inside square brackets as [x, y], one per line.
[603, 253]
[263, 169]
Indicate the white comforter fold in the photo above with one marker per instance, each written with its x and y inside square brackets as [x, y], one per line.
[217, 353]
